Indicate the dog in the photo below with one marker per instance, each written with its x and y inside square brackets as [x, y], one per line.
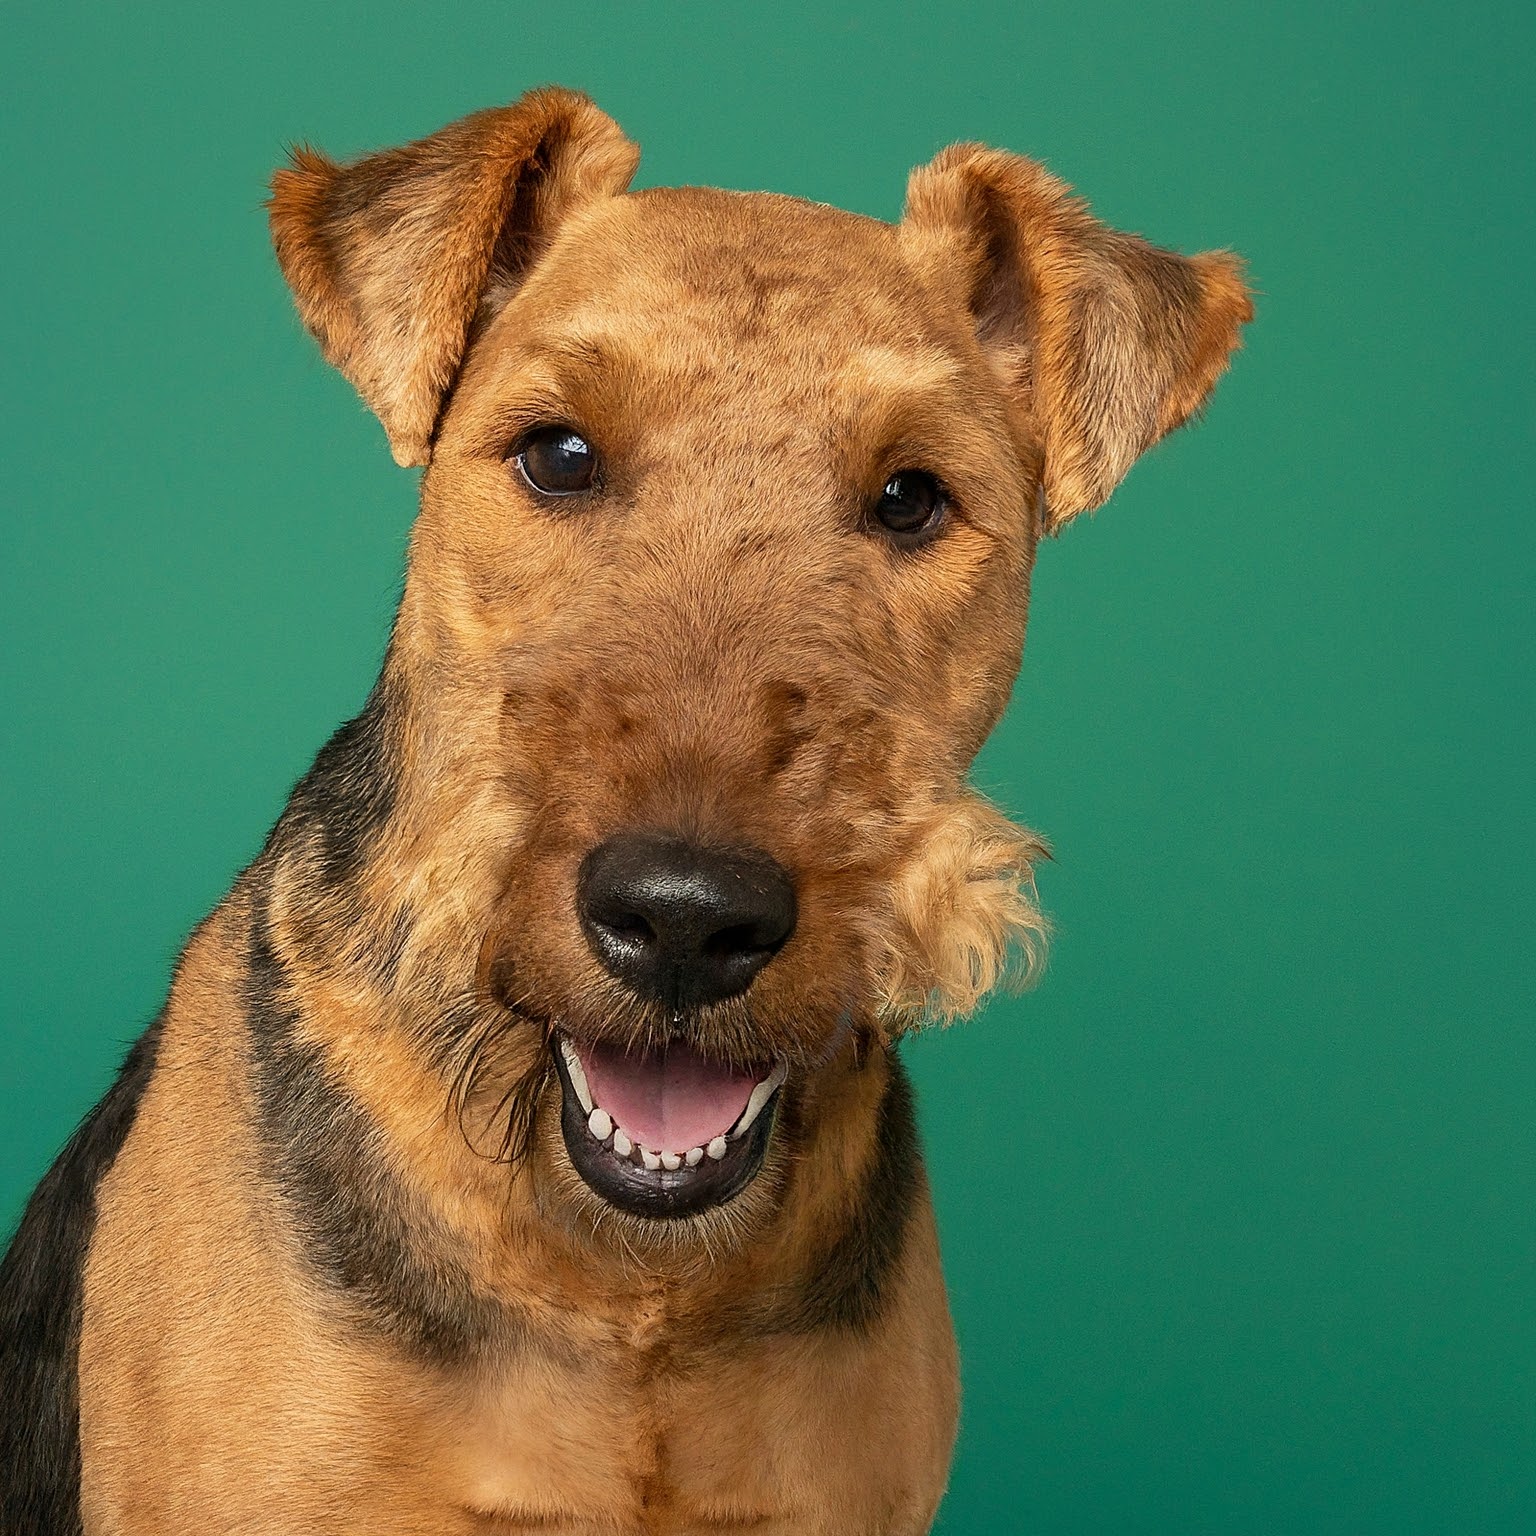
[523, 1145]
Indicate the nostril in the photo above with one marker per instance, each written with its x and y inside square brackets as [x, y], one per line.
[743, 939]
[627, 925]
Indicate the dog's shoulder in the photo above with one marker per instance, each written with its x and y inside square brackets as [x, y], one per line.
[40, 1307]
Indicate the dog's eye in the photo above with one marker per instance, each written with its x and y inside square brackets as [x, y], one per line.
[558, 461]
[912, 503]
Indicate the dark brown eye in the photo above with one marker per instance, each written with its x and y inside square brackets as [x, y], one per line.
[558, 461]
[911, 504]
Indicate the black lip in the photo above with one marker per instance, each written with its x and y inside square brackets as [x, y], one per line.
[662, 1193]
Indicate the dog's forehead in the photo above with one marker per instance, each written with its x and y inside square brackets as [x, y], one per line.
[694, 306]
[731, 271]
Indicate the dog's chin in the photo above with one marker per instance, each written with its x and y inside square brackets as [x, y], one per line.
[665, 1134]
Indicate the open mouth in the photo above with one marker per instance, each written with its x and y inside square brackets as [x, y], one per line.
[669, 1132]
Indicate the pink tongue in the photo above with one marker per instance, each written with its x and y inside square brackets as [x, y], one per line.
[667, 1101]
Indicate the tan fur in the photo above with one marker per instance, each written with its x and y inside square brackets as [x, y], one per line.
[965, 916]
[718, 644]
[1110, 342]
[391, 288]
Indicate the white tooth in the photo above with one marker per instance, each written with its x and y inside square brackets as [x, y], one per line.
[600, 1123]
[760, 1096]
[578, 1077]
[621, 1143]
[716, 1148]
[671, 1161]
[650, 1159]
[694, 1156]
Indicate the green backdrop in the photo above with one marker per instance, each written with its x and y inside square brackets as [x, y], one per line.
[1238, 1205]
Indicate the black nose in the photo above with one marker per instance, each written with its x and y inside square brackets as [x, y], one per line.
[681, 924]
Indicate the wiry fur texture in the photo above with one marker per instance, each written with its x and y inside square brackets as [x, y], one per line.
[335, 1270]
[965, 917]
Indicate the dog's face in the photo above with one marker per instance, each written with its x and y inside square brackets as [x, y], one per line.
[719, 584]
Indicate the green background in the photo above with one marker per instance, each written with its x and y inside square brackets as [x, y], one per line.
[1240, 1205]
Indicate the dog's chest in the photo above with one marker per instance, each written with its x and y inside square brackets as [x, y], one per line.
[629, 1440]
[622, 1439]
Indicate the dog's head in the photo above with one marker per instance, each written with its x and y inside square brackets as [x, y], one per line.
[719, 584]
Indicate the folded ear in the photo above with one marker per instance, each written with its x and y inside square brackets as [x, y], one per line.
[1105, 342]
[391, 257]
